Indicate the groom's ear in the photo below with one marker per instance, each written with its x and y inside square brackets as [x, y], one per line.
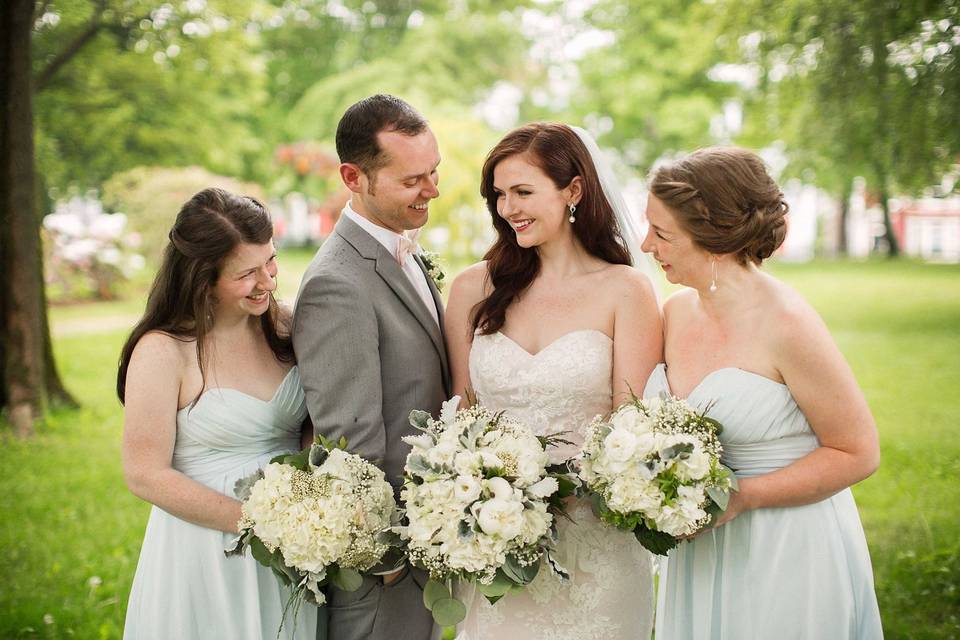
[351, 175]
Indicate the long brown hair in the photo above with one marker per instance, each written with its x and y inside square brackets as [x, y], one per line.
[208, 228]
[558, 151]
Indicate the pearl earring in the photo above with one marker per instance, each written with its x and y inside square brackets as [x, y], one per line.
[713, 281]
[573, 209]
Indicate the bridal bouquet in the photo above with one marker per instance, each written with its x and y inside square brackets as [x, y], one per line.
[480, 504]
[318, 516]
[653, 467]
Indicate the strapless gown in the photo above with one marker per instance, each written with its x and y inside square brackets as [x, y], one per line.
[792, 572]
[609, 595]
[185, 587]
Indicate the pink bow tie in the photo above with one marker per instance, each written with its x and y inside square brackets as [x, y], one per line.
[407, 245]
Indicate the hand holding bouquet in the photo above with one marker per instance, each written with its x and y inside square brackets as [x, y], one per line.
[318, 516]
[653, 468]
[480, 504]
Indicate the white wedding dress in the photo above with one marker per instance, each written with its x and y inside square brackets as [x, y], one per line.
[610, 592]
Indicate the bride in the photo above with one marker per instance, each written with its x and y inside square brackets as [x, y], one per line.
[554, 327]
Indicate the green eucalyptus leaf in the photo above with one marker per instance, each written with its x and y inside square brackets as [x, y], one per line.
[434, 591]
[720, 497]
[500, 586]
[518, 573]
[260, 552]
[448, 612]
[347, 579]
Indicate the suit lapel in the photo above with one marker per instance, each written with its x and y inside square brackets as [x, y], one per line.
[438, 305]
[391, 273]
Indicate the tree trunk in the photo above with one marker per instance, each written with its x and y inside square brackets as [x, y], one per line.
[845, 193]
[883, 156]
[25, 374]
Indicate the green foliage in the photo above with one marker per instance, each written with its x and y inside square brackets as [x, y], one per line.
[142, 91]
[152, 196]
[652, 81]
[447, 611]
[853, 88]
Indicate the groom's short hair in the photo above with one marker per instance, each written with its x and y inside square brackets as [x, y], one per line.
[360, 124]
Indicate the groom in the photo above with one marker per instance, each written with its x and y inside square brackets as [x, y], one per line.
[367, 331]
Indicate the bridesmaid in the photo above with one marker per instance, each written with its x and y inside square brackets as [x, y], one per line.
[789, 557]
[211, 393]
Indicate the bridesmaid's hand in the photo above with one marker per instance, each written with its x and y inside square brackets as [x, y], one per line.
[736, 506]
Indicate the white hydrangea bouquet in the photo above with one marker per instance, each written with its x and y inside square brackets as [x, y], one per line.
[322, 515]
[480, 504]
[653, 467]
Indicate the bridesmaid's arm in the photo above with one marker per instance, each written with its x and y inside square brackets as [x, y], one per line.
[637, 336]
[149, 435]
[825, 389]
[466, 291]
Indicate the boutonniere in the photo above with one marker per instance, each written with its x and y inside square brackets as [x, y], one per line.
[431, 262]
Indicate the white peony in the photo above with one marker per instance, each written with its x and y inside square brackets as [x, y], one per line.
[501, 517]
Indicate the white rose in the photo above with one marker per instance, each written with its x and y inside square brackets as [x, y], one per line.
[694, 467]
[500, 488]
[466, 488]
[500, 517]
[630, 419]
[619, 445]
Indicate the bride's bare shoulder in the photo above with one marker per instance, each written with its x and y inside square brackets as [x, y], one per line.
[472, 284]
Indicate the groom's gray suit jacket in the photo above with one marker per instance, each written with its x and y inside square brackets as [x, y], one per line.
[369, 352]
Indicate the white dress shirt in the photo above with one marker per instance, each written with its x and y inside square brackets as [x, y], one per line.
[390, 240]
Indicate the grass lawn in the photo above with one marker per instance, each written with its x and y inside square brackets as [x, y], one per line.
[72, 532]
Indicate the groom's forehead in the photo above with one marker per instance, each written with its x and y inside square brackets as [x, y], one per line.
[406, 154]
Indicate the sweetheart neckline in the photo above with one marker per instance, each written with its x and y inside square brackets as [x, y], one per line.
[555, 341]
[663, 368]
[242, 393]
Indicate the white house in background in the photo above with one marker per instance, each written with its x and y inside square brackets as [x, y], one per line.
[928, 228]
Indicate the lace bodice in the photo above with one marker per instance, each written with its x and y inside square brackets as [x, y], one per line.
[558, 389]
[609, 596]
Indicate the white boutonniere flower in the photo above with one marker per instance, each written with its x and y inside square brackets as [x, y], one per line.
[431, 262]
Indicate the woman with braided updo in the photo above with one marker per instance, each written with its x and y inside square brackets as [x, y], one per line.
[788, 558]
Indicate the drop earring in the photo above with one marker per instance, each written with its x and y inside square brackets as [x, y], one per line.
[573, 210]
[713, 281]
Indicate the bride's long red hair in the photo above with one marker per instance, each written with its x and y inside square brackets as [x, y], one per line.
[559, 152]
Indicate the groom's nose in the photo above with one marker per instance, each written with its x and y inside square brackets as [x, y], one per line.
[431, 190]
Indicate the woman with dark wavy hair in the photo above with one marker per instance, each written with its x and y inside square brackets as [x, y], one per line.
[210, 394]
[554, 327]
[788, 557]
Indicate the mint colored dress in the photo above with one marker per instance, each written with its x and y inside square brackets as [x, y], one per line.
[792, 572]
[184, 586]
